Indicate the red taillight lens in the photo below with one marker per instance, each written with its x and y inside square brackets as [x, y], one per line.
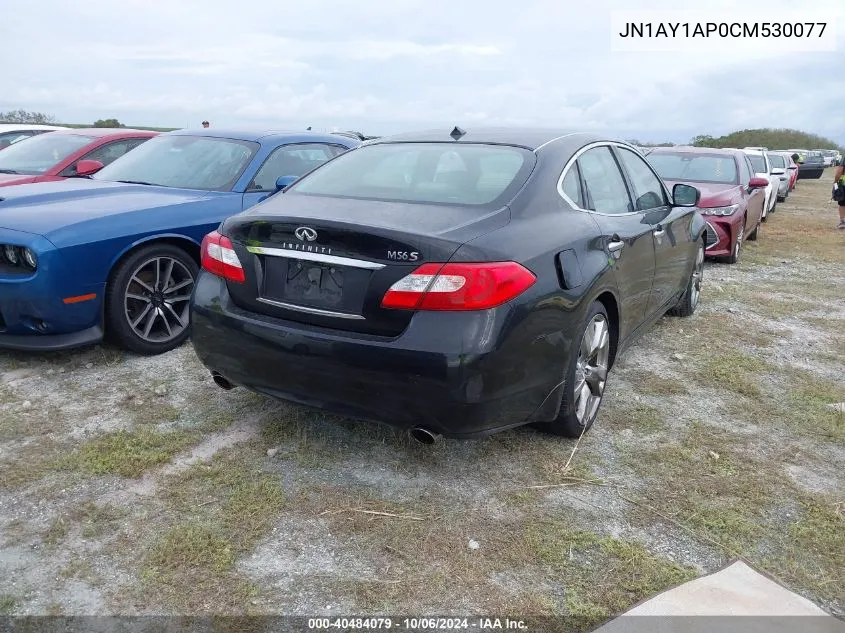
[219, 258]
[459, 286]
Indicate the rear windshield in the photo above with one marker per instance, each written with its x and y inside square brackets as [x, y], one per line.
[777, 160]
[429, 173]
[695, 167]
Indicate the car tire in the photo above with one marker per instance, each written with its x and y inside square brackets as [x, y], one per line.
[585, 376]
[736, 251]
[752, 237]
[692, 293]
[147, 299]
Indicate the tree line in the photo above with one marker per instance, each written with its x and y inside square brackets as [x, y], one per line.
[40, 118]
[773, 138]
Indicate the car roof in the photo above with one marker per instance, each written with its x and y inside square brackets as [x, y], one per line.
[15, 127]
[99, 132]
[529, 138]
[690, 149]
[256, 135]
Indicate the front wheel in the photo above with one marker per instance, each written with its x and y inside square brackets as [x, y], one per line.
[148, 299]
[752, 237]
[733, 258]
[585, 378]
[689, 301]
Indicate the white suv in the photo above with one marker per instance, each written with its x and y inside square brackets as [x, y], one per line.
[759, 158]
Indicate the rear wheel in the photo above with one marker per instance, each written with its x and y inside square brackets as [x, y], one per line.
[585, 377]
[148, 297]
[689, 301]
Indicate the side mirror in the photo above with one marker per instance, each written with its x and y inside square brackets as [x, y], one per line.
[777, 171]
[685, 195]
[87, 167]
[758, 183]
[283, 182]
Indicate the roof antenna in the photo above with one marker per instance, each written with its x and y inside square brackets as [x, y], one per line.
[457, 133]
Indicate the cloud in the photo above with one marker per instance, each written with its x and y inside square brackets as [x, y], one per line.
[390, 65]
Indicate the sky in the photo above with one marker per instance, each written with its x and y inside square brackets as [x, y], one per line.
[385, 66]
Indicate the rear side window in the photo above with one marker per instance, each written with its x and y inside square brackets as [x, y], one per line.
[430, 173]
[777, 160]
[604, 182]
[572, 187]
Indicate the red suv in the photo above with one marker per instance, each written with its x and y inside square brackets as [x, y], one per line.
[66, 153]
[732, 197]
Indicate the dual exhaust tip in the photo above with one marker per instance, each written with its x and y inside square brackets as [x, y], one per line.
[221, 382]
[419, 433]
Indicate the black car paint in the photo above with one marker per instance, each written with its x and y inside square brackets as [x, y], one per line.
[812, 167]
[461, 374]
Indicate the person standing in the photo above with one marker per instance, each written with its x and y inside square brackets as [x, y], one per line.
[839, 192]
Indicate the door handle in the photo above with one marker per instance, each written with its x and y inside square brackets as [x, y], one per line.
[615, 245]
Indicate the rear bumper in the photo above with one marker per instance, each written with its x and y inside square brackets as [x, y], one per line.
[459, 374]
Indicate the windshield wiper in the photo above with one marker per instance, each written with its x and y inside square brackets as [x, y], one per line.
[7, 171]
[136, 182]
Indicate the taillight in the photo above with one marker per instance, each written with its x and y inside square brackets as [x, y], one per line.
[459, 286]
[219, 258]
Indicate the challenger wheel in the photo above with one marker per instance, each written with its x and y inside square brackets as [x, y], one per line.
[148, 297]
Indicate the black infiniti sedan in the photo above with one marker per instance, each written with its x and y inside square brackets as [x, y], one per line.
[452, 283]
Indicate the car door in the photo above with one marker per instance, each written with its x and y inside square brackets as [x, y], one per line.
[625, 233]
[295, 159]
[672, 251]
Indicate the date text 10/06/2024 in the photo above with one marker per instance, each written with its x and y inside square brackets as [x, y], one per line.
[722, 29]
[418, 624]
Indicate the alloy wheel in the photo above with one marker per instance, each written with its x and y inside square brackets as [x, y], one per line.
[157, 299]
[697, 276]
[591, 369]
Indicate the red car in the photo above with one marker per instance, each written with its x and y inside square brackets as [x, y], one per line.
[66, 153]
[732, 197]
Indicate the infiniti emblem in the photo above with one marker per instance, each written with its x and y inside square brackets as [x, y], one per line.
[305, 234]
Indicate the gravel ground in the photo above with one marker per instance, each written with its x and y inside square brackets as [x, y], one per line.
[126, 479]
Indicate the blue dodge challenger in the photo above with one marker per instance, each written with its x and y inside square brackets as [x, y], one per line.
[117, 254]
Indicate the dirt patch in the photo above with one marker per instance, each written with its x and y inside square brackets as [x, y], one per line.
[126, 480]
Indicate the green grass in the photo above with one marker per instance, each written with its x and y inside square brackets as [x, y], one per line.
[647, 382]
[129, 453]
[733, 370]
[8, 604]
[629, 572]
[225, 508]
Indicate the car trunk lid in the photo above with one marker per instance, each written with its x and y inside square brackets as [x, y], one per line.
[330, 261]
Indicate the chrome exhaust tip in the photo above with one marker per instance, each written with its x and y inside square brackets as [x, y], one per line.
[221, 382]
[424, 436]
